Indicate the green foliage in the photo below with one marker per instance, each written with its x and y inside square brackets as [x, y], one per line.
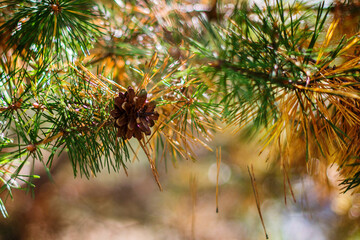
[258, 54]
[63, 63]
[275, 69]
[54, 98]
[51, 28]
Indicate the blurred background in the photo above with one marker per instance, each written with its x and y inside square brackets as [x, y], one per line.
[117, 206]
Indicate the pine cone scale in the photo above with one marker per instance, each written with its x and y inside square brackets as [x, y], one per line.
[131, 124]
[115, 113]
[119, 101]
[121, 121]
[133, 115]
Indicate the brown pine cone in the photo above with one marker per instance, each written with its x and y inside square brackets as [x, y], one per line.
[133, 114]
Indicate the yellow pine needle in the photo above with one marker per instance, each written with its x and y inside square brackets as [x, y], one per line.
[153, 61]
[157, 70]
[351, 64]
[272, 133]
[189, 136]
[197, 140]
[54, 32]
[313, 119]
[323, 109]
[329, 91]
[181, 142]
[348, 65]
[351, 117]
[85, 77]
[94, 78]
[108, 66]
[210, 125]
[328, 37]
[163, 66]
[146, 79]
[173, 144]
[330, 32]
[166, 77]
[113, 83]
[174, 129]
[77, 13]
[352, 43]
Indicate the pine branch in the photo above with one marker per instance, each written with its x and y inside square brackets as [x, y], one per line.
[49, 29]
[162, 80]
[275, 69]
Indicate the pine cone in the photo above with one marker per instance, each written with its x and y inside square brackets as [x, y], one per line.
[133, 114]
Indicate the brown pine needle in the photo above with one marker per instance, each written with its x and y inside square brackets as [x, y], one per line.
[113, 83]
[94, 78]
[284, 183]
[134, 152]
[175, 146]
[218, 162]
[329, 91]
[48, 139]
[287, 179]
[257, 200]
[124, 167]
[290, 187]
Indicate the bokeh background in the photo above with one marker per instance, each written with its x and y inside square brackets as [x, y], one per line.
[116, 206]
